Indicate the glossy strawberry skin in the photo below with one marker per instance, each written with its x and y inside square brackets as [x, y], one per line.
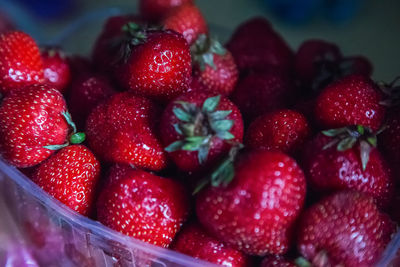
[188, 160]
[329, 170]
[144, 206]
[349, 101]
[122, 130]
[255, 45]
[30, 119]
[20, 62]
[188, 21]
[285, 130]
[155, 10]
[85, 93]
[256, 211]
[56, 68]
[277, 261]
[348, 227]
[159, 68]
[70, 175]
[194, 241]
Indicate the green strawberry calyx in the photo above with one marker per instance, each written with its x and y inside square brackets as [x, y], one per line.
[74, 138]
[204, 49]
[347, 137]
[200, 125]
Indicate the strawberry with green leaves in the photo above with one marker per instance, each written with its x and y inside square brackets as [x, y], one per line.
[198, 129]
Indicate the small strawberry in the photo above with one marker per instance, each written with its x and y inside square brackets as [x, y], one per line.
[70, 175]
[277, 261]
[192, 240]
[32, 118]
[153, 63]
[255, 45]
[345, 229]
[258, 93]
[351, 100]
[200, 128]
[256, 211]
[285, 130]
[20, 61]
[188, 21]
[346, 158]
[155, 10]
[144, 206]
[121, 130]
[214, 67]
[84, 95]
[56, 68]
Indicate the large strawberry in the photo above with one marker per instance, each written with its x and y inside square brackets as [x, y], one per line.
[122, 130]
[214, 67]
[153, 63]
[32, 119]
[256, 211]
[56, 68]
[351, 100]
[255, 45]
[285, 130]
[20, 61]
[194, 241]
[142, 205]
[155, 10]
[346, 158]
[70, 175]
[345, 229]
[188, 21]
[198, 128]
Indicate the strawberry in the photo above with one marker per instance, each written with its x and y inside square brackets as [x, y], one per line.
[255, 45]
[214, 67]
[188, 21]
[192, 240]
[155, 10]
[285, 130]
[390, 139]
[31, 118]
[84, 95]
[357, 65]
[154, 63]
[258, 93]
[277, 261]
[346, 158]
[345, 229]
[144, 206]
[351, 100]
[256, 211]
[79, 65]
[20, 61]
[121, 130]
[56, 68]
[199, 128]
[70, 175]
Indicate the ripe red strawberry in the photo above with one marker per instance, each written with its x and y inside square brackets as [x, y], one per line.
[188, 21]
[20, 61]
[285, 130]
[277, 261]
[255, 45]
[192, 240]
[31, 118]
[258, 93]
[351, 100]
[256, 211]
[155, 10]
[154, 63]
[198, 129]
[352, 164]
[144, 206]
[56, 68]
[70, 175]
[345, 229]
[84, 95]
[214, 67]
[121, 130]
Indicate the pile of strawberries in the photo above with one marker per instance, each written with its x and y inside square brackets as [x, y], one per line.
[241, 154]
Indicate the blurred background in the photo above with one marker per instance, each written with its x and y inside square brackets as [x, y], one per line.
[364, 27]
